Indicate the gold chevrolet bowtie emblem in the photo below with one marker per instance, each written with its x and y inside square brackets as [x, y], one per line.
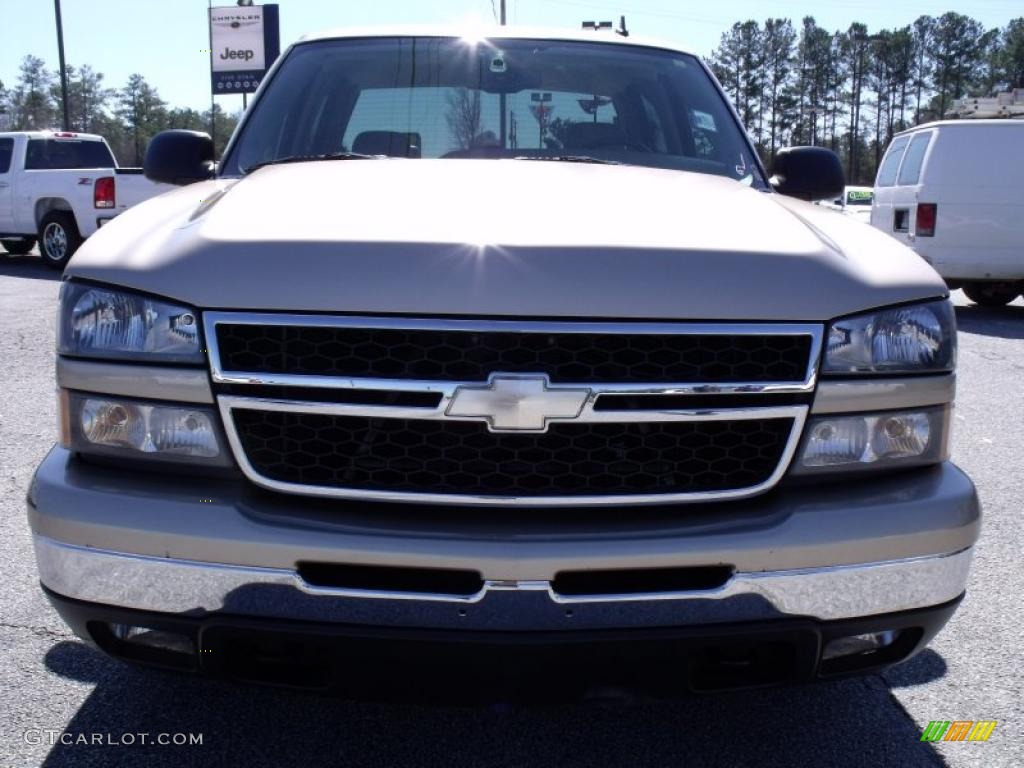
[510, 403]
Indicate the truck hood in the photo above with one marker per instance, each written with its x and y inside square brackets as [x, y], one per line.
[502, 238]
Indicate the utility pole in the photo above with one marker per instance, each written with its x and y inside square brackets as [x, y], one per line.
[502, 101]
[63, 69]
[245, 101]
[213, 103]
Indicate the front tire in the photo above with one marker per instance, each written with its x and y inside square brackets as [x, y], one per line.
[58, 239]
[18, 247]
[991, 295]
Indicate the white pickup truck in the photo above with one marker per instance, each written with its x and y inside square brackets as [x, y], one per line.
[59, 188]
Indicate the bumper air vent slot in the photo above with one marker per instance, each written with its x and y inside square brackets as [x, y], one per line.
[380, 578]
[641, 581]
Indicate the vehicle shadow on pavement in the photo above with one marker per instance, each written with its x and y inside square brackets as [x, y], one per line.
[844, 723]
[26, 266]
[1004, 322]
[923, 668]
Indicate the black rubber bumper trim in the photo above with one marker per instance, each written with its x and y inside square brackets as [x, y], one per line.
[320, 655]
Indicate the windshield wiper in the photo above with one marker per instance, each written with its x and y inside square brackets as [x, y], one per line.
[569, 159]
[313, 158]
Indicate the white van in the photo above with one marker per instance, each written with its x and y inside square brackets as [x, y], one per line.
[954, 192]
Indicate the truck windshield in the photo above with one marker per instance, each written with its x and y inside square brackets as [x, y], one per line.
[57, 154]
[435, 97]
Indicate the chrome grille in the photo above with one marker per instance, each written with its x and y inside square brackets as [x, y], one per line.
[454, 354]
[463, 457]
[336, 427]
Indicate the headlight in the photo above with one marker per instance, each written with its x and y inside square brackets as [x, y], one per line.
[874, 440]
[110, 323]
[920, 338]
[115, 426]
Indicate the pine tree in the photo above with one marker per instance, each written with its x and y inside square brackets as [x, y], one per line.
[142, 111]
[813, 83]
[779, 44]
[901, 66]
[856, 47]
[878, 78]
[751, 79]
[226, 124]
[726, 62]
[5, 114]
[957, 47]
[836, 76]
[923, 31]
[187, 118]
[737, 63]
[57, 96]
[88, 99]
[31, 102]
[801, 85]
[1011, 57]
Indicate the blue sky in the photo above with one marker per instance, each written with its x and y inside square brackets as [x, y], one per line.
[164, 40]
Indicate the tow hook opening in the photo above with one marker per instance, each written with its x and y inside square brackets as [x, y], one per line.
[154, 645]
[288, 662]
[744, 665]
[854, 653]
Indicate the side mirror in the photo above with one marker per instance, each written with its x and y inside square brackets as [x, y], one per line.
[179, 157]
[809, 173]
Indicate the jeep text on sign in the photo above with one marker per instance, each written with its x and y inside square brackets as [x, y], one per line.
[237, 38]
[244, 42]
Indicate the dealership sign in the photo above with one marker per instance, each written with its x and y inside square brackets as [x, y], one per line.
[244, 41]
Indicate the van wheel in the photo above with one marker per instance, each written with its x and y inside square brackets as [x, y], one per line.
[18, 247]
[991, 294]
[58, 239]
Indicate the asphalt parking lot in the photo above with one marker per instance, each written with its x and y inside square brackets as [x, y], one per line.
[973, 671]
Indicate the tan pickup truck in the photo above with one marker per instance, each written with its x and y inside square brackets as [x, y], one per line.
[501, 353]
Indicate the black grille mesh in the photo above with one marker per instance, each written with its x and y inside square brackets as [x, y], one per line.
[424, 456]
[474, 355]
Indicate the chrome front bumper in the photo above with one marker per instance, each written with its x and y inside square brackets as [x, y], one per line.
[153, 543]
[196, 588]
